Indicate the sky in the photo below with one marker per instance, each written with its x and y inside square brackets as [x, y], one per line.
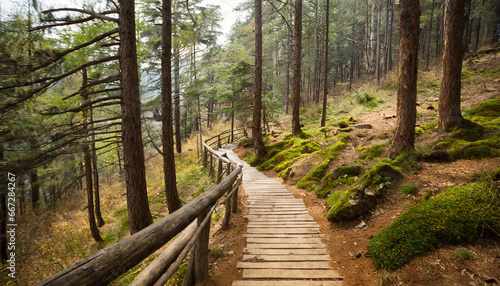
[226, 6]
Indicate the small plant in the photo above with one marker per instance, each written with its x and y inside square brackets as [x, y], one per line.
[408, 188]
[462, 253]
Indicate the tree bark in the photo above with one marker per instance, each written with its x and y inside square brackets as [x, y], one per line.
[3, 210]
[173, 200]
[35, 188]
[297, 68]
[100, 220]
[177, 102]
[133, 150]
[467, 28]
[258, 143]
[325, 62]
[390, 37]
[449, 114]
[409, 30]
[377, 49]
[429, 38]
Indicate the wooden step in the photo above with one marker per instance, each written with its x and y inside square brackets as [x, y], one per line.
[290, 257]
[290, 274]
[285, 283]
[285, 265]
[259, 251]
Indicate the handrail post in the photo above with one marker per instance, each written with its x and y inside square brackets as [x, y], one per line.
[201, 252]
[205, 154]
[211, 167]
[219, 171]
[218, 142]
[234, 202]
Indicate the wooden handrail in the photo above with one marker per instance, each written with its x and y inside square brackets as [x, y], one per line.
[109, 263]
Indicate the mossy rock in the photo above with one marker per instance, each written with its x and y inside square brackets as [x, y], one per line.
[247, 142]
[487, 148]
[300, 147]
[301, 135]
[462, 213]
[342, 124]
[373, 152]
[348, 170]
[486, 113]
[468, 130]
[382, 174]
[311, 180]
[353, 203]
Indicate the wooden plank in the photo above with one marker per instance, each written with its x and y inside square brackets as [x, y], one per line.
[285, 283]
[259, 251]
[267, 219]
[290, 274]
[277, 212]
[283, 230]
[289, 257]
[286, 245]
[282, 216]
[283, 240]
[285, 265]
[285, 235]
[282, 225]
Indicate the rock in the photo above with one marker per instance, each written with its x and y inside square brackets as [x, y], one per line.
[359, 203]
[430, 107]
[361, 225]
[351, 254]
[358, 255]
[355, 243]
[436, 156]
[390, 116]
[335, 175]
[230, 252]
[363, 126]
[292, 173]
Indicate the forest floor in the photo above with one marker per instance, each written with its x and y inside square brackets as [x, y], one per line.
[444, 266]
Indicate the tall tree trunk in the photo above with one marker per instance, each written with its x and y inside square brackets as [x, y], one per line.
[173, 201]
[429, 39]
[258, 143]
[100, 220]
[390, 37]
[297, 53]
[35, 188]
[119, 157]
[409, 29]
[466, 33]
[133, 150]
[377, 50]
[449, 98]
[88, 166]
[478, 28]
[177, 102]
[316, 58]
[325, 62]
[496, 30]
[386, 36]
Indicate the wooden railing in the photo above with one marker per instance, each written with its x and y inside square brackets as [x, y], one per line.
[193, 220]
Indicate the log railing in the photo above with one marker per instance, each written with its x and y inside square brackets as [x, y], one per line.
[192, 220]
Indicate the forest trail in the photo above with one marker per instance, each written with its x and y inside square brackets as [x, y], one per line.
[284, 243]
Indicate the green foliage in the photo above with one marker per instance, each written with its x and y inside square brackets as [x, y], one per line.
[466, 74]
[462, 253]
[366, 98]
[462, 213]
[408, 188]
[299, 147]
[373, 152]
[178, 278]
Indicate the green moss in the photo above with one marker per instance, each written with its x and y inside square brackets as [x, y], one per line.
[487, 148]
[251, 158]
[311, 180]
[275, 148]
[247, 142]
[365, 98]
[373, 152]
[348, 170]
[462, 213]
[467, 74]
[462, 253]
[333, 151]
[301, 135]
[333, 198]
[348, 129]
[178, 278]
[486, 113]
[342, 124]
[468, 130]
[300, 147]
[408, 188]
[427, 195]
[338, 201]
[381, 173]
[285, 173]
[344, 137]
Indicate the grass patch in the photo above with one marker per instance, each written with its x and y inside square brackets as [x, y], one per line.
[462, 253]
[462, 213]
[366, 98]
[408, 188]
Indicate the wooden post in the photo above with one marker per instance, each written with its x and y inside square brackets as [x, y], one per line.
[201, 252]
[211, 167]
[219, 171]
[205, 154]
[218, 141]
[228, 169]
[234, 202]
[227, 214]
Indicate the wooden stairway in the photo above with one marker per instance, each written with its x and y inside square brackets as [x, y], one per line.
[284, 243]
